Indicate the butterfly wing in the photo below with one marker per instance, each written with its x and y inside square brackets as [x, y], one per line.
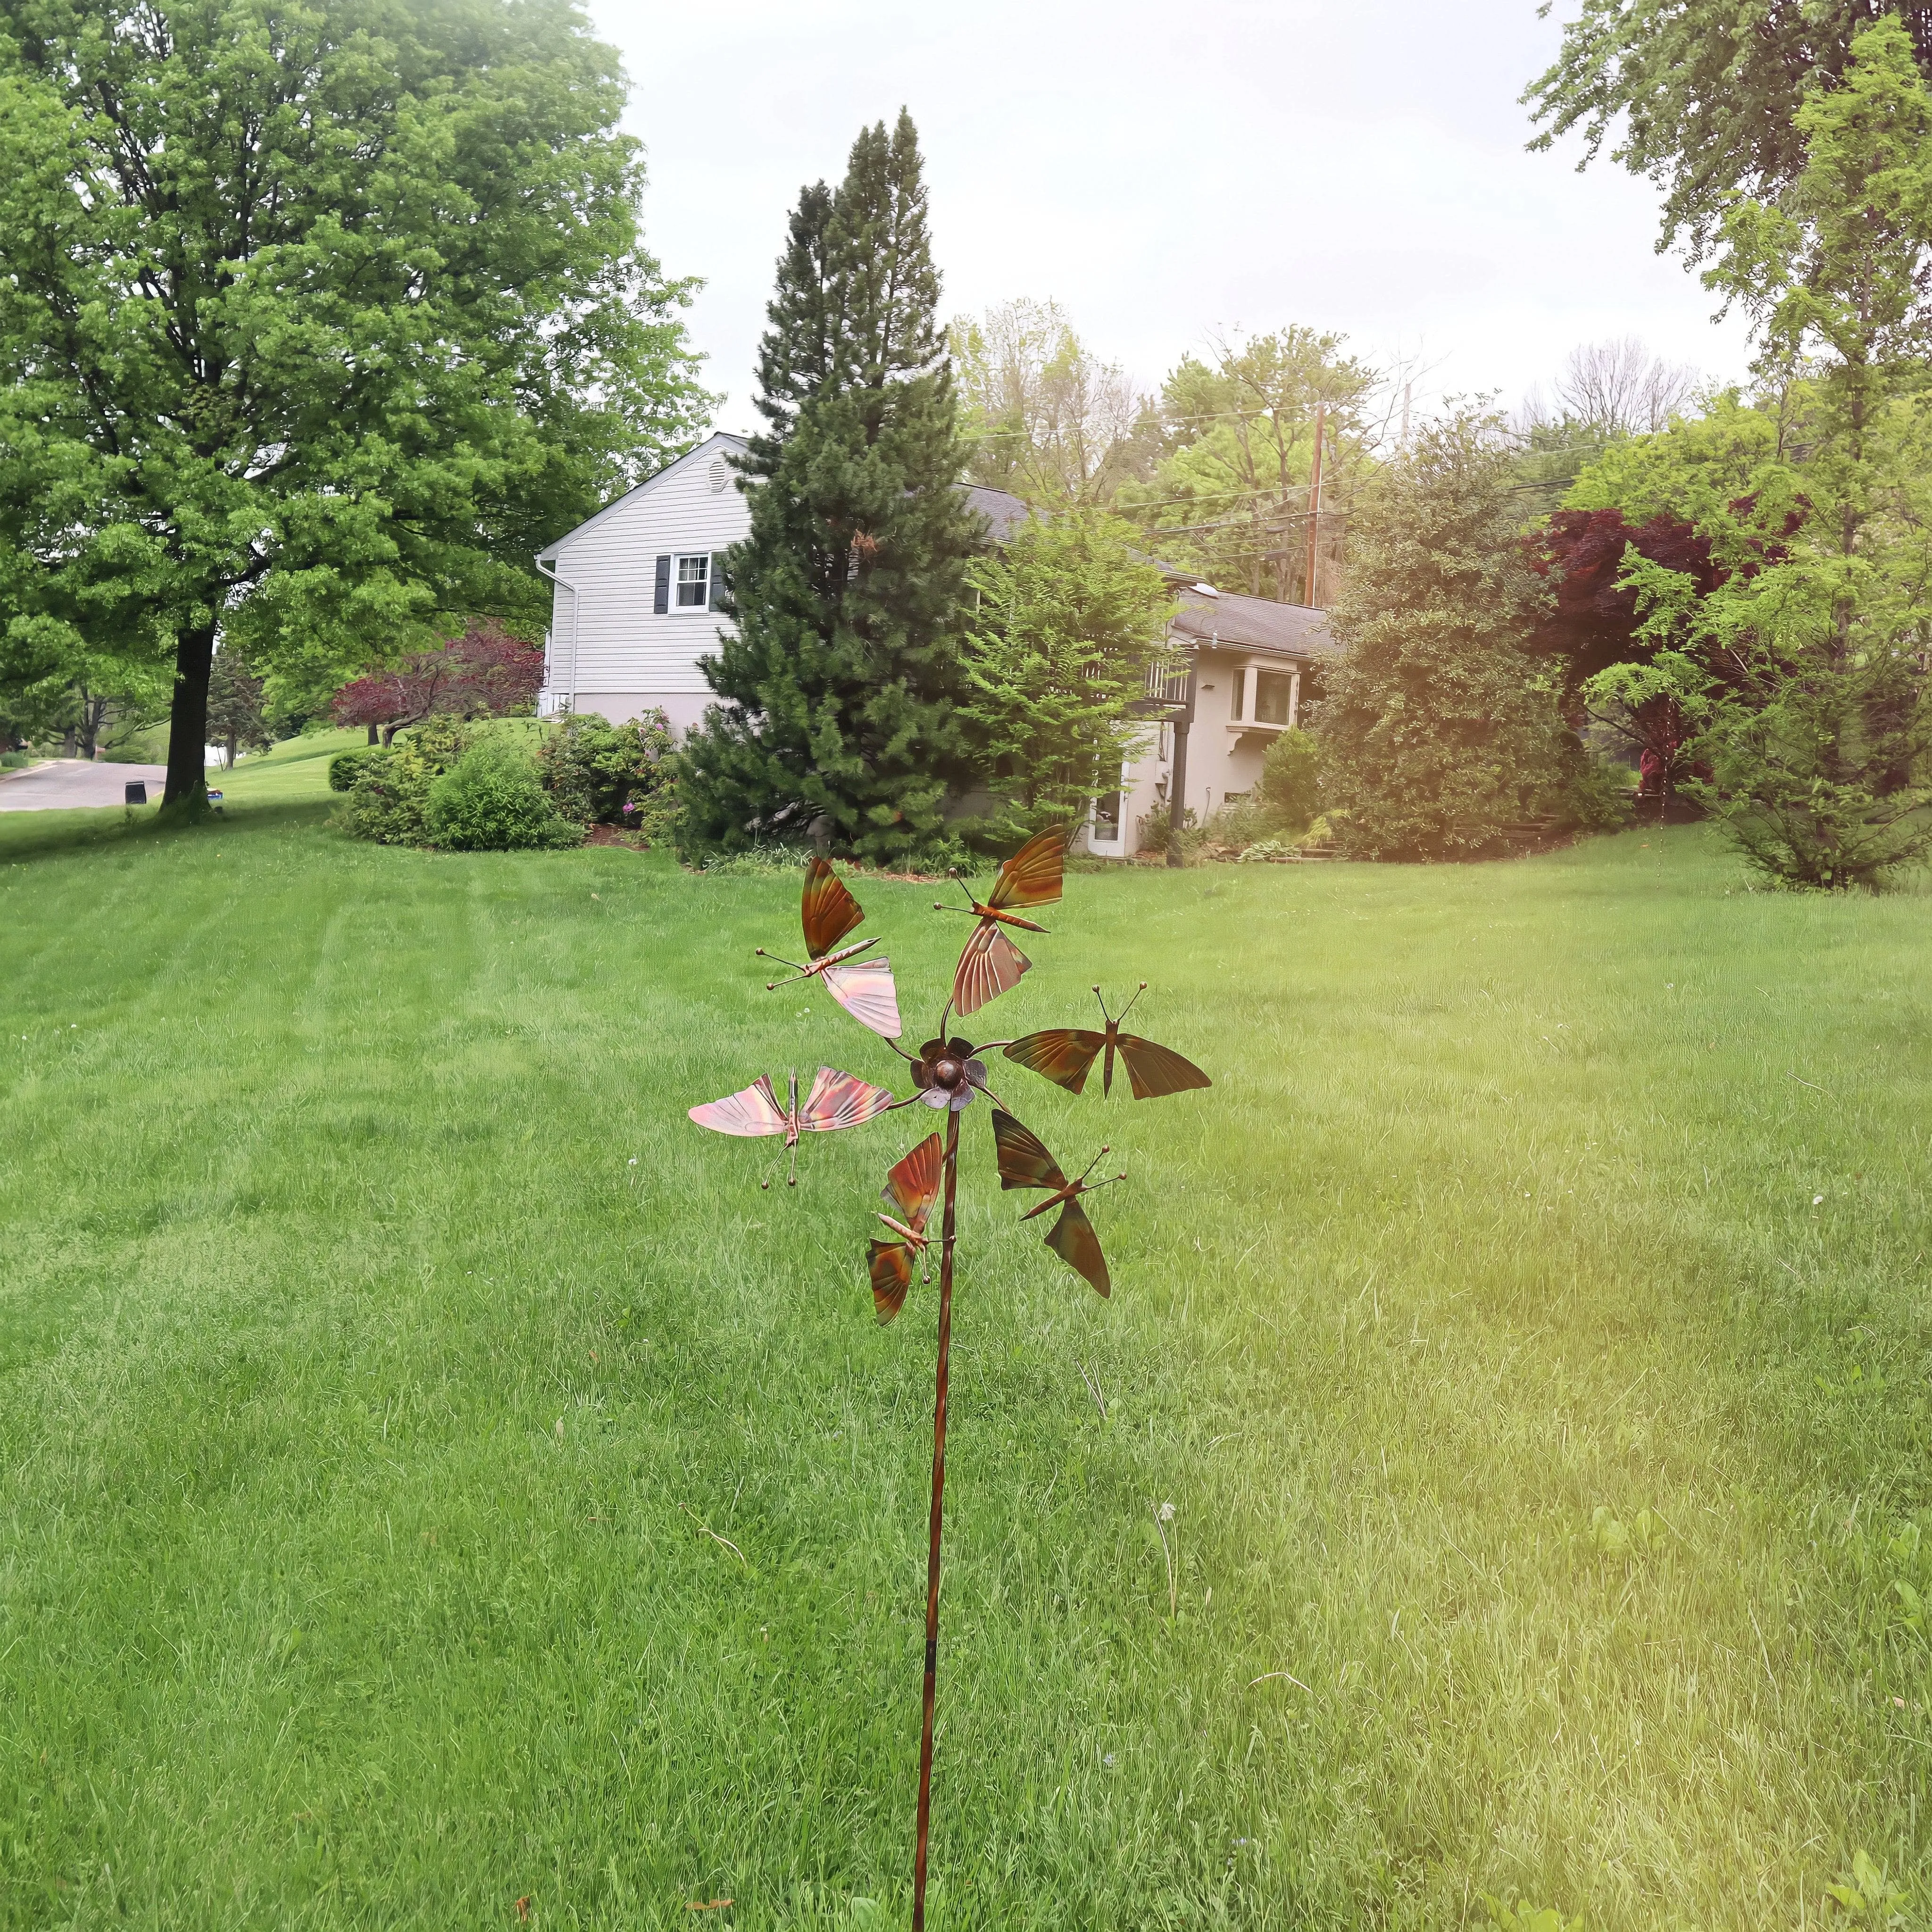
[1063, 1054]
[866, 992]
[1155, 1069]
[912, 1185]
[892, 1275]
[990, 964]
[748, 1113]
[841, 1100]
[829, 912]
[1074, 1240]
[1023, 1160]
[1032, 876]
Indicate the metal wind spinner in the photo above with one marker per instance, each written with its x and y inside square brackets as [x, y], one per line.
[947, 1071]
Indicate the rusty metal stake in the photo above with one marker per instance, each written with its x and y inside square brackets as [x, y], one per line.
[936, 1521]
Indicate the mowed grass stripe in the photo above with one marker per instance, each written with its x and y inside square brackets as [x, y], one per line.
[365, 1399]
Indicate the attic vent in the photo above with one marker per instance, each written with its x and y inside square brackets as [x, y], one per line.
[721, 476]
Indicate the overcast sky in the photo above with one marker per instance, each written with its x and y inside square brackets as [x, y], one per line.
[1165, 172]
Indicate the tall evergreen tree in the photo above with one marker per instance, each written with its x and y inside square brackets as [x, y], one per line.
[840, 682]
[1437, 728]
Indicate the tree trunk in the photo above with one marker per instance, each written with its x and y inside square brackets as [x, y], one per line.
[187, 784]
[375, 736]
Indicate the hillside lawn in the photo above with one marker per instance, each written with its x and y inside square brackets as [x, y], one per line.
[436, 1476]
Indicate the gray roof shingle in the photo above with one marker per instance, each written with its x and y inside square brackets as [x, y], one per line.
[1254, 624]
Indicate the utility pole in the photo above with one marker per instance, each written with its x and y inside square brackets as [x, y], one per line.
[1314, 513]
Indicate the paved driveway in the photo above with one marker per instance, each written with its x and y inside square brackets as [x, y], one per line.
[62, 784]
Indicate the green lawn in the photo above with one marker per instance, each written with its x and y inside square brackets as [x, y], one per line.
[296, 771]
[1529, 1329]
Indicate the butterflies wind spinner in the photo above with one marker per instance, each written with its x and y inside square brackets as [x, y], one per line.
[947, 1072]
[836, 1100]
[1025, 1163]
[1066, 1055]
[991, 964]
[828, 913]
[911, 1188]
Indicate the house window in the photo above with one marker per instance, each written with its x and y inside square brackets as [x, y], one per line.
[693, 582]
[1271, 695]
[1106, 820]
[1166, 750]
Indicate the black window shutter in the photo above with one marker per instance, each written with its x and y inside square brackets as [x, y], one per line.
[717, 580]
[663, 602]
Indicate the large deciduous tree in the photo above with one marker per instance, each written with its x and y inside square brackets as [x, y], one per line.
[1045, 417]
[316, 321]
[1703, 95]
[1232, 447]
[1820, 750]
[841, 679]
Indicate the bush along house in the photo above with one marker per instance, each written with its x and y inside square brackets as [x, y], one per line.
[634, 606]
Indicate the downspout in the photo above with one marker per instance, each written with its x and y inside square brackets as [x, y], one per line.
[576, 610]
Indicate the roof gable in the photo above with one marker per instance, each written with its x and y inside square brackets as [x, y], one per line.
[719, 441]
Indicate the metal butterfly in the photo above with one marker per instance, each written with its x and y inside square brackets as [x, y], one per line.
[829, 912]
[1025, 1163]
[1066, 1056]
[911, 1188]
[990, 963]
[836, 1100]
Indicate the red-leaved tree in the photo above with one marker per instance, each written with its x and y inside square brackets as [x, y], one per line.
[485, 672]
[1594, 622]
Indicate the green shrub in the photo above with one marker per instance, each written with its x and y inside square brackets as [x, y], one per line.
[1278, 851]
[343, 767]
[658, 818]
[387, 801]
[759, 861]
[1601, 797]
[1239, 822]
[493, 800]
[594, 769]
[1290, 786]
[940, 856]
[9, 759]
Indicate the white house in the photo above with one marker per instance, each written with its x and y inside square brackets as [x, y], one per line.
[634, 609]
[636, 589]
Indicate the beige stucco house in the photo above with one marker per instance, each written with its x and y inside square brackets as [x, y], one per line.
[1250, 663]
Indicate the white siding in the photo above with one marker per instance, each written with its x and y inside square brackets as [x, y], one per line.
[609, 650]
